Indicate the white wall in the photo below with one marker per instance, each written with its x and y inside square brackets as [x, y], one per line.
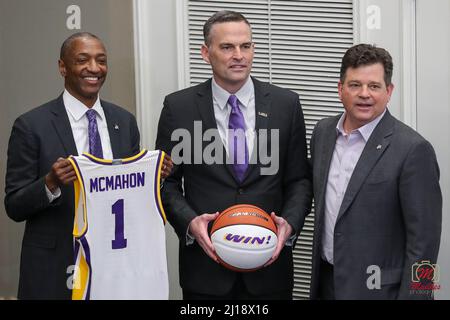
[390, 24]
[433, 107]
[156, 76]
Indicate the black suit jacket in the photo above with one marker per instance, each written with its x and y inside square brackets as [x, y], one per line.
[390, 215]
[212, 188]
[39, 137]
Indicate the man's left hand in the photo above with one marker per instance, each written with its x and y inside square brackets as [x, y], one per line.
[284, 232]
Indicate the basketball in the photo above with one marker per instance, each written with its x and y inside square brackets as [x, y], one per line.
[244, 237]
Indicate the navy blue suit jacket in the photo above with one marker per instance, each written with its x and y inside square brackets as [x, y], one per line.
[38, 138]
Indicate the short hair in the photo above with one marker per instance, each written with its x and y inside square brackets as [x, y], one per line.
[367, 54]
[68, 42]
[221, 17]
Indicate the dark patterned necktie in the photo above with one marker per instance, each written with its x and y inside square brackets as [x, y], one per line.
[95, 144]
[236, 140]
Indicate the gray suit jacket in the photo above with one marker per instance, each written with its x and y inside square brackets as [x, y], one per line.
[390, 215]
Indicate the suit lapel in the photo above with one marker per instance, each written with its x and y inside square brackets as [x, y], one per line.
[326, 154]
[113, 124]
[205, 106]
[62, 126]
[378, 143]
[262, 105]
[262, 114]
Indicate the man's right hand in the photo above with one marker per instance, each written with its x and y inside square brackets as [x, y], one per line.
[62, 173]
[199, 229]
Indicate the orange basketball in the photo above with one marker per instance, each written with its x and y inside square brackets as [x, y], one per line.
[244, 237]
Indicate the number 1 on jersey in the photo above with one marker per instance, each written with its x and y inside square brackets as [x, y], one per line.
[119, 242]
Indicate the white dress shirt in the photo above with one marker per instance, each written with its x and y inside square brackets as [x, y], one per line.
[79, 122]
[222, 111]
[76, 111]
[347, 151]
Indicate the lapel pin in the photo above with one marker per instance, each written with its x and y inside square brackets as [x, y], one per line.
[116, 127]
[379, 147]
[262, 114]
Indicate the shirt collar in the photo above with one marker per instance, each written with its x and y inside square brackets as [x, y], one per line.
[365, 131]
[78, 109]
[244, 94]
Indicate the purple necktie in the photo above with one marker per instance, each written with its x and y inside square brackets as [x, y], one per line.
[236, 139]
[95, 144]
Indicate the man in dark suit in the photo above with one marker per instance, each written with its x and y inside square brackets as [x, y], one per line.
[39, 178]
[198, 189]
[378, 203]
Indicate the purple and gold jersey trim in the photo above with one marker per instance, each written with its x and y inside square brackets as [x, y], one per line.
[83, 271]
[158, 187]
[135, 158]
[79, 189]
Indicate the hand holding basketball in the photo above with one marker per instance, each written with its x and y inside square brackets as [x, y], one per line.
[284, 231]
[199, 229]
[244, 237]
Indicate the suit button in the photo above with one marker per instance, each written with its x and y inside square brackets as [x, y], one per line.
[240, 191]
[338, 234]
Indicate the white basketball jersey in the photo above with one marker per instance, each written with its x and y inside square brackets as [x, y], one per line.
[119, 236]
